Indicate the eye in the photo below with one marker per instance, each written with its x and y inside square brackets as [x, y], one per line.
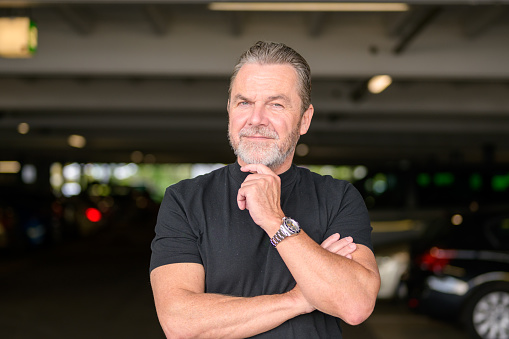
[243, 103]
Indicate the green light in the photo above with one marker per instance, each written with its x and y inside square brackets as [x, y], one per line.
[443, 179]
[423, 179]
[500, 183]
[475, 182]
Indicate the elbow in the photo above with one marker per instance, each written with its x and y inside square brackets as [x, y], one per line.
[356, 310]
[360, 308]
[353, 312]
[357, 316]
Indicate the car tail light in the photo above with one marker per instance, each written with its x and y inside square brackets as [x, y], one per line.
[435, 259]
[93, 214]
[413, 302]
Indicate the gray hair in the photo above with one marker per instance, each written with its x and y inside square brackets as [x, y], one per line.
[270, 53]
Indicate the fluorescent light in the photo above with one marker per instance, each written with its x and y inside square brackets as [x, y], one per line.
[379, 83]
[310, 6]
[18, 37]
[9, 166]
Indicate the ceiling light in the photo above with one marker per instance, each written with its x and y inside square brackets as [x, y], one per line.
[379, 83]
[18, 37]
[77, 141]
[9, 166]
[23, 128]
[310, 6]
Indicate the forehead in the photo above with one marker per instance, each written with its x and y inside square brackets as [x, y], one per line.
[266, 78]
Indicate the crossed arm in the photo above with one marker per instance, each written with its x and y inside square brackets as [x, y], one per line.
[186, 311]
[337, 277]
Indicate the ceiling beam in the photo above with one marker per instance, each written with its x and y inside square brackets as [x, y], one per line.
[479, 20]
[157, 19]
[422, 20]
[236, 20]
[77, 19]
[316, 23]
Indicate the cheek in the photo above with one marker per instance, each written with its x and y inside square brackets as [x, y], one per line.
[236, 122]
[283, 128]
[234, 128]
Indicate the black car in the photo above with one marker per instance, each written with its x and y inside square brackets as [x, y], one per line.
[461, 272]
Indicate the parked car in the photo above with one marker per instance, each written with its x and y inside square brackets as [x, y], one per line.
[461, 272]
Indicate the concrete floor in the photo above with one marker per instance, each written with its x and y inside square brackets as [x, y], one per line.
[99, 288]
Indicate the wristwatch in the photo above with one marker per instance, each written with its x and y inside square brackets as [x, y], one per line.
[288, 228]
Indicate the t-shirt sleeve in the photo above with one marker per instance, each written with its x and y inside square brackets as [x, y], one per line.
[175, 240]
[351, 217]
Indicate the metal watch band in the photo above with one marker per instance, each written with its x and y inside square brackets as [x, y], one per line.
[278, 237]
[283, 232]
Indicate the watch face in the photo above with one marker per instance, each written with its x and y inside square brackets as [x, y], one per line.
[293, 226]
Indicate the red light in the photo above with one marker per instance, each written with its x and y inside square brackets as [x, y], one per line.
[93, 214]
[413, 303]
[435, 260]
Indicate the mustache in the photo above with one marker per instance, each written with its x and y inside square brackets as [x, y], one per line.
[258, 130]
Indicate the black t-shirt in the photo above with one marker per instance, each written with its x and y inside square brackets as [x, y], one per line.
[200, 222]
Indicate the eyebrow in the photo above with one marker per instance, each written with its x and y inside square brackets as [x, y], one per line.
[240, 97]
[279, 97]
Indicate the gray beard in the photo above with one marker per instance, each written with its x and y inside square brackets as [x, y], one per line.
[269, 154]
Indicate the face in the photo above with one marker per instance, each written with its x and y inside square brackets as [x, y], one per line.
[265, 120]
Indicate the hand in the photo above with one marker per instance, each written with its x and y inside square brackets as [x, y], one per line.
[260, 193]
[344, 247]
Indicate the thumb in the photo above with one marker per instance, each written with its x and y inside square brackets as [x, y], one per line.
[241, 201]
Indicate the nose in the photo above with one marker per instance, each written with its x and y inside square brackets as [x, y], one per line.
[258, 115]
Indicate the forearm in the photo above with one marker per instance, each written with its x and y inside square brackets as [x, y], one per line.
[205, 315]
[332, 283]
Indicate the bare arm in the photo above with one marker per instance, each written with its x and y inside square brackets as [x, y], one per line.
[332, 284]
[184, 310]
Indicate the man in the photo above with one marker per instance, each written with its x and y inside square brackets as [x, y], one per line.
[229, 258]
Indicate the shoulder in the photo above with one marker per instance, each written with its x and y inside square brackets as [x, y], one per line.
[200, 181]
[334, 193]
[324, 182]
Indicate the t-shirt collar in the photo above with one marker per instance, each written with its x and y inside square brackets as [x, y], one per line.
[287, 178]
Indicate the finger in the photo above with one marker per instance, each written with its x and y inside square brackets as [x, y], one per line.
[343, 246]
[330, 240]
[252, 177]
[241, 200]
[336, 245]
[347, 250]
[257, 168]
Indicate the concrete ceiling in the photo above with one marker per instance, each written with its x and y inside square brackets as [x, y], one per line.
[153, 77]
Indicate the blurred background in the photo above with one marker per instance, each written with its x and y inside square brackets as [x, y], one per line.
[103, 104]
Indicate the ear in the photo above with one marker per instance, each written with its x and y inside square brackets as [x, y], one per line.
[305, 121]
[228, 106]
